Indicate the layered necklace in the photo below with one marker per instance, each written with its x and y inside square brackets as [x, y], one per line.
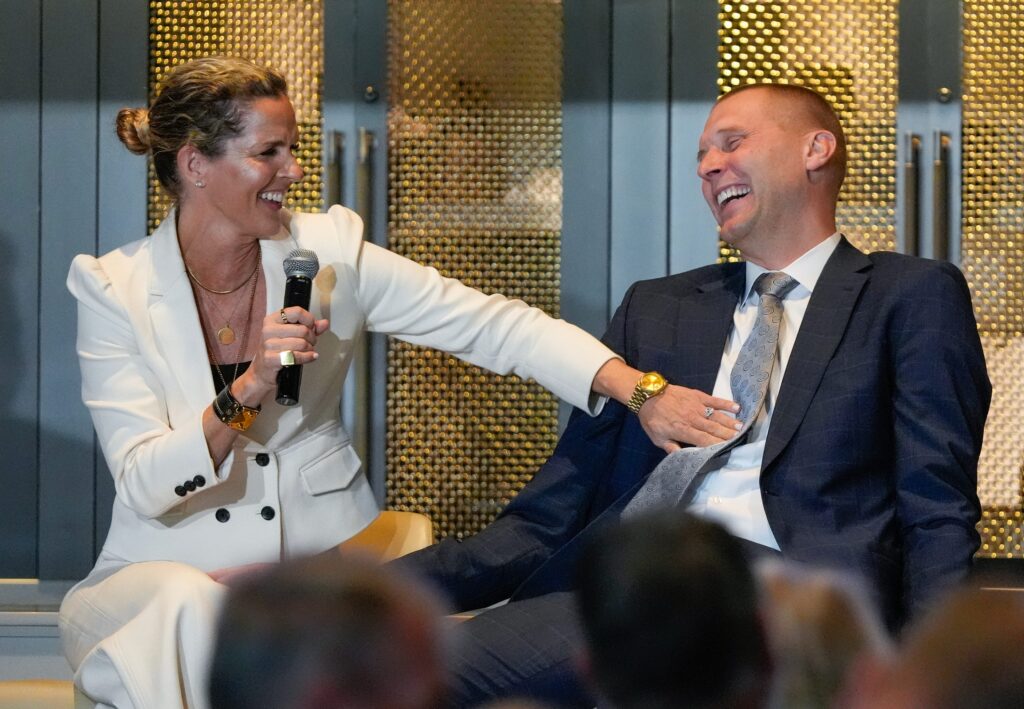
[225, 334]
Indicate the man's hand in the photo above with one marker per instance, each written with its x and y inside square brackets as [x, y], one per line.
[679, 416]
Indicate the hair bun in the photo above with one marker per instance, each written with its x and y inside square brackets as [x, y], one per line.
[133, 129]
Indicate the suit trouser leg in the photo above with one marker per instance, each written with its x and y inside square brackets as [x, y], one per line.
[142, 636]
[525, 648]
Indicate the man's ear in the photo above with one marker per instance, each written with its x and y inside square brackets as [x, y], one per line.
[821, 146]
[191, 163]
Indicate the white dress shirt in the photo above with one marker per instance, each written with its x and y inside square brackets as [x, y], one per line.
[731, 494]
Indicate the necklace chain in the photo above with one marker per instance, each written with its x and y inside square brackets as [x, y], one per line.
[245, 331]
[226, 334]
[206, 288]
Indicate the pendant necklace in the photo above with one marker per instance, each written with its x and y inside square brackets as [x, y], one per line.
[245, 332]
[225, 334]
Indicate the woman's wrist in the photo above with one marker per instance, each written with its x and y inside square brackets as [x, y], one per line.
[616, 379]
[249, 390]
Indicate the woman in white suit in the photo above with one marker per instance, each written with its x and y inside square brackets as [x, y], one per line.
[181, 338]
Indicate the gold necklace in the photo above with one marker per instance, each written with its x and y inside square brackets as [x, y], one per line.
[226, 335]
[206, 288]
[245, 332]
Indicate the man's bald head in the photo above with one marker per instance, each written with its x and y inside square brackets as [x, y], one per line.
[803, 109]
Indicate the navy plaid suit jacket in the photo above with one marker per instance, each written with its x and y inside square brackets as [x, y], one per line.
[871, 459]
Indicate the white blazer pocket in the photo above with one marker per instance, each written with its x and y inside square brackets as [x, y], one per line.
[332, 470]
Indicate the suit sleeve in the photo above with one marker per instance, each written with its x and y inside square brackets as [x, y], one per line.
[148, 456]
[941, 398]
[551, 509]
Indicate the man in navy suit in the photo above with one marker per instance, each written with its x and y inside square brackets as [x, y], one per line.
[864, 456]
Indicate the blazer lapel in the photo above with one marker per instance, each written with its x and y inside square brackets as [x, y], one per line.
[172, 307]
[823, 326]
[175, 319]
[703, 325]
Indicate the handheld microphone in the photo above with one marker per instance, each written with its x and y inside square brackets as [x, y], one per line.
[300, 268]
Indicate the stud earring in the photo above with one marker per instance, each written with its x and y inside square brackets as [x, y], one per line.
[200, 184]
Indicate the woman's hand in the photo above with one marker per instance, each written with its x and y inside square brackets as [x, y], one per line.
[679, 415]
[675, 417]
[292, 330]
[232, 575]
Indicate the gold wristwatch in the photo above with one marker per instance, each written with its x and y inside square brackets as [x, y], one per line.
[649, 386]
[232, 412]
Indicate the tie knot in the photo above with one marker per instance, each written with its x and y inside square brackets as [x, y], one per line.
[775, 283]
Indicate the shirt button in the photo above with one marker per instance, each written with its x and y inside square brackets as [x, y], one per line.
[189, 485]
[267, 513]
[222, 515]
[199, 480]
[262, 459]
[180, 491]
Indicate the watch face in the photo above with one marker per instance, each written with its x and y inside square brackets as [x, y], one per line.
[652, 382]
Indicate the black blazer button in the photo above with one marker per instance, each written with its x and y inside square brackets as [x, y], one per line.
[180, 491]
[199, 480]
[262, 459]
[267, 513]
[222, 515]
[189, 485]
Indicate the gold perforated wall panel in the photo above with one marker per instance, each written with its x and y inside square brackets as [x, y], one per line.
[284, 34]
[474, 133]
[847, 52]
[993, 259]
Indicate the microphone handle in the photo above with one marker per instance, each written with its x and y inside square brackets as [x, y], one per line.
[297, 291]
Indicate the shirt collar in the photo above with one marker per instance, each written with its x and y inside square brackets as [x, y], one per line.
[805, 270]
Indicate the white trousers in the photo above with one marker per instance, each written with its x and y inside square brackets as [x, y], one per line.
[140, 636]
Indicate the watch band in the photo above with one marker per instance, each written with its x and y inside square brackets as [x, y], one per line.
[637, 400]
[233, 413]
[650, 385]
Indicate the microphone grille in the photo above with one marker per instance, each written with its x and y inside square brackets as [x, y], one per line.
[301, 262]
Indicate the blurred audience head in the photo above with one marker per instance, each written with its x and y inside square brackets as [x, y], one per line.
[669, 608]
[330, 633]
[820, 625]
[964, 654]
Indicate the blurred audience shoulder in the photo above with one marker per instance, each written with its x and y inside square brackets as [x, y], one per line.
[820, 625]
[516, 703]
[965, 653]
[670, 612]
[330, 633]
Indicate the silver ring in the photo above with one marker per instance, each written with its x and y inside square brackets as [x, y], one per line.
[708, 411]
[287, 358]
[284, 316]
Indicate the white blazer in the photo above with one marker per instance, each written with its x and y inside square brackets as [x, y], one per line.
[292, 483]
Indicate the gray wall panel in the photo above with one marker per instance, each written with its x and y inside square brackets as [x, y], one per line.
[586, 168]
[693, 238]
[121, 216]
[19, 254]
[68, 179]
[370, 69]
[639, 143]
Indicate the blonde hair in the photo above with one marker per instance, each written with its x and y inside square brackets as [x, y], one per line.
[200, 103]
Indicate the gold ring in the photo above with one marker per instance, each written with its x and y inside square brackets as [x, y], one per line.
[708, 411]
[284, 316]
[287, 358]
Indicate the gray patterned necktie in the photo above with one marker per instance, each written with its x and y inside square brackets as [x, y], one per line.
[670, 481]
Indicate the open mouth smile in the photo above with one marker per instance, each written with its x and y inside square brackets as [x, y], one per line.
[730, 194]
